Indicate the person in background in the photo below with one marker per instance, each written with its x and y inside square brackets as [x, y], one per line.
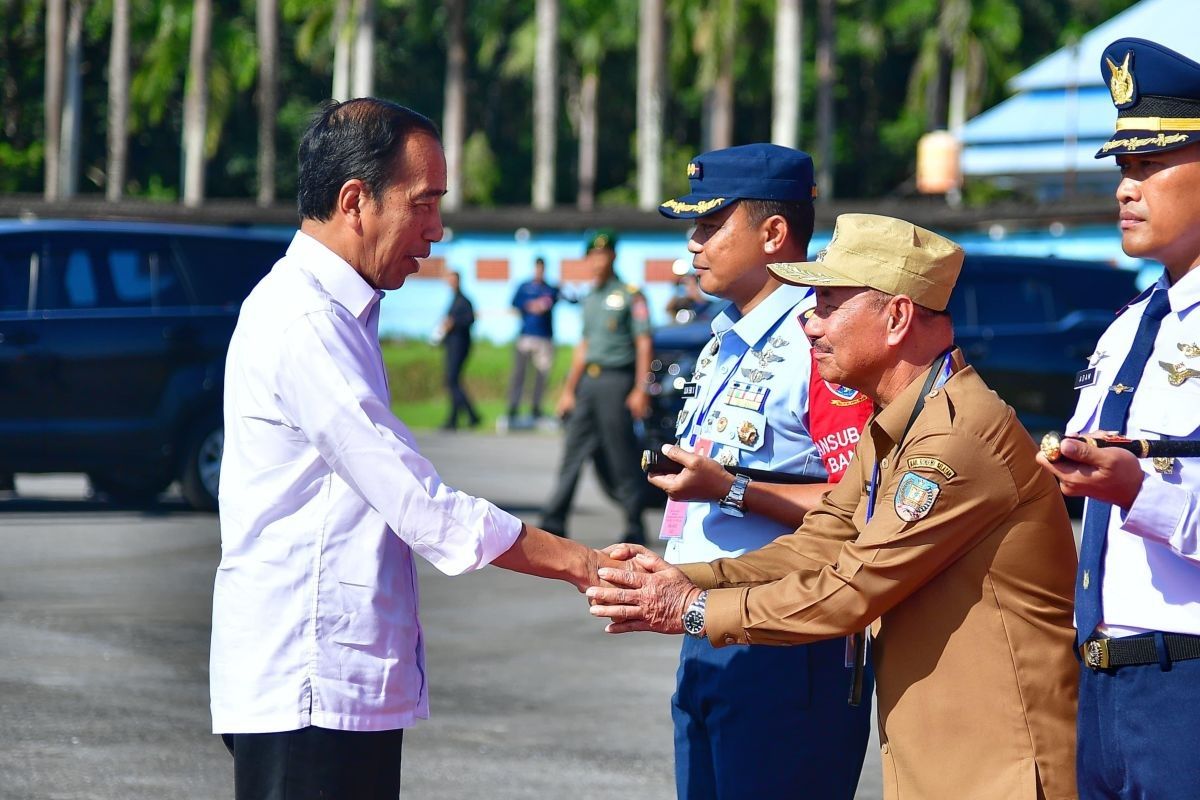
[1137, 596]
[751, 403]
[456, 340]
[604, 392]
[534, 301]
[318, 661]
[689, 302]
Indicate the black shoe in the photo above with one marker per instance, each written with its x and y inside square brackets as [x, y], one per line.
[555, 528]
[634, 537]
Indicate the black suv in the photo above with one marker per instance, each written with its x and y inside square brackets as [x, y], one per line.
[112, 349]
[1026, 324]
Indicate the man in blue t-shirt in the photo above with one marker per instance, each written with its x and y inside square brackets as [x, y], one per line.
[534, 300]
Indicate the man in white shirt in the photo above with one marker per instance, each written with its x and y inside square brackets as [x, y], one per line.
[317, 660]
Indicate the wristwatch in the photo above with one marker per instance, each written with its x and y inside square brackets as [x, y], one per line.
[734, 502]
[693, 617]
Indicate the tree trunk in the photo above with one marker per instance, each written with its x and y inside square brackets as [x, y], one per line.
[342, 39]
[720, 100]
[195, 104]
[589, 92]
[825, 83]
[68, 153]
[455, 111]
[268, 96]
[788, 66]
[545, 104]
[364, 50]
[118, 103]
[55, 56]
[650, 104]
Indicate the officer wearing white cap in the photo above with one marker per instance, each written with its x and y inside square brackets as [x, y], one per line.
[1137, 595]
[755, 401]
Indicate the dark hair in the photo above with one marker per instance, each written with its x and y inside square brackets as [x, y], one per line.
[355, 139]
[799, 216]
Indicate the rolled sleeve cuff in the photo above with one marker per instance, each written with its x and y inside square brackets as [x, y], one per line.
[1156, 512]
[700, 573]
[723, 616]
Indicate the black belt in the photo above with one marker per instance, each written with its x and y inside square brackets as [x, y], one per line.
[1137, 650]
[594, 370]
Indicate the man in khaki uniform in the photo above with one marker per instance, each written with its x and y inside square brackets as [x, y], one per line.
[945, 536]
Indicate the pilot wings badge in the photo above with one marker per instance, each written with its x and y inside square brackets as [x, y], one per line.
[1178, 373]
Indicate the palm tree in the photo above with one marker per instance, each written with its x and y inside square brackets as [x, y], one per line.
[363, 84]
[268, 96]
[455, 111]
[342, 42]
[56, 11]
[825, 82]
[72, 110]
[650, 103]
[195, 103]
[118, 102]
[786, 83]
[545, 104]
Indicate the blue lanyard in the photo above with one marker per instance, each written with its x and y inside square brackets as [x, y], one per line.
[937, 377]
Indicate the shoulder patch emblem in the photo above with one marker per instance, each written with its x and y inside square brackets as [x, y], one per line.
[915, 497]
[917, 462]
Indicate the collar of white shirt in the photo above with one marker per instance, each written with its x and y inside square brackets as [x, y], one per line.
[335, 274]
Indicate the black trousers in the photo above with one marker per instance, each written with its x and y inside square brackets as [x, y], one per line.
[457, 350]
[601, 428]
[314, 763]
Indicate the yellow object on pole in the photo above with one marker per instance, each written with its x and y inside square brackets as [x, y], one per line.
[938, 169]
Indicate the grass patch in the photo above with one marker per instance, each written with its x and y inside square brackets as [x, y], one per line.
[416, 374]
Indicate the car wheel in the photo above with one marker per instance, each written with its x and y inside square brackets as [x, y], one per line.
[130, 488]
[202, 468]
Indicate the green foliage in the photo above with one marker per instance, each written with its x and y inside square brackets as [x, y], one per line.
[416, 376]
[481, 173]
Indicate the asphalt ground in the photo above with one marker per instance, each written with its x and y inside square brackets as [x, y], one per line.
[104, 632]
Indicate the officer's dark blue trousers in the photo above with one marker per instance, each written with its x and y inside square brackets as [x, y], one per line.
[1139, 732]
[768, 722]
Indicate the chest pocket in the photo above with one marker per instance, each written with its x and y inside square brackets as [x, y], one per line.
[1172, 413]
[1087, 409]
[739, 428]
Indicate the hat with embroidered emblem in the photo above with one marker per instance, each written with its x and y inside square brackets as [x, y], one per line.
[747, 172]
[884, 253]
[602, 239]
[1157, 95]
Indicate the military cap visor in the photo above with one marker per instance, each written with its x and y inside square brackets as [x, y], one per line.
[747, 172]
[1157, 95]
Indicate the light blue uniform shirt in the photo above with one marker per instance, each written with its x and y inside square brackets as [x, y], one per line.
[751, 402]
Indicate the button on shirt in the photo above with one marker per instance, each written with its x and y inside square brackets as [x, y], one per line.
[323, 500]
[1152, 562]
[757, 380]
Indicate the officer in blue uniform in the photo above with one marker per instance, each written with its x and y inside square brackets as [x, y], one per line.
[1137, 596]
[757, 722]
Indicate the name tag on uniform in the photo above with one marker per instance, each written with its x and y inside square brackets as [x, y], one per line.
[1085, 377]
[690, 389]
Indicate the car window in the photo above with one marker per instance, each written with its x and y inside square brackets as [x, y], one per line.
[98, 273]
[223, 271]
[17, 259]
[1012, 301]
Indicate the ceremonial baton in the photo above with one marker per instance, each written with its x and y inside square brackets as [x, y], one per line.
[1142, 448]
[655, 463]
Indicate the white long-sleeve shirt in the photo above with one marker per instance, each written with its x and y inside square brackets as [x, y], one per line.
[323, 500]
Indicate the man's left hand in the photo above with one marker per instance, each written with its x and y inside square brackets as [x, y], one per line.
[653, 600]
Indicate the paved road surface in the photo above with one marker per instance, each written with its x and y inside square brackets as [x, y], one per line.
[104, 624]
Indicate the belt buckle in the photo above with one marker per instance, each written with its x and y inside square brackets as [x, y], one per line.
[593, 370]
[1095, 653]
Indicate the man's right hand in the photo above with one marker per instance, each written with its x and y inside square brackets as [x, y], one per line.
[566, 404]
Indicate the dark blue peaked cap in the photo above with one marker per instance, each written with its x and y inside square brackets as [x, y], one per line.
[748, 172]
[1157, 95]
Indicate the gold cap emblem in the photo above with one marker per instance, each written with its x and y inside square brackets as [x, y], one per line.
[693, 169]
[1120, 83]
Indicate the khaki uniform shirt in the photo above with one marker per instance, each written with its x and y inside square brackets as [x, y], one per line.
[966, 570]
[614, 315]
